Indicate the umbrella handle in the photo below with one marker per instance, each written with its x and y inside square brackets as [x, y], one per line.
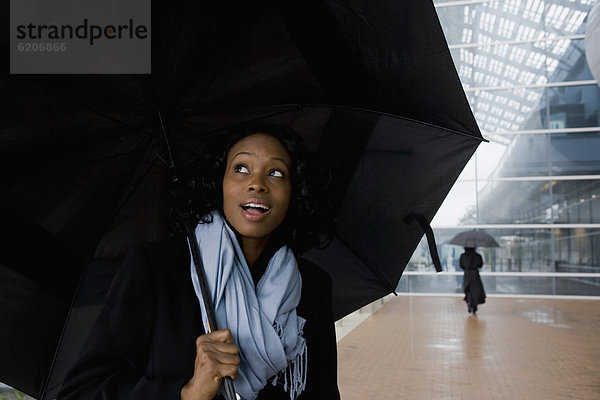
[210, 311]
[229, 390]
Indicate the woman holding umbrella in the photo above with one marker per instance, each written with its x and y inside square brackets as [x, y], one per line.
[254, 208]
[471, 262]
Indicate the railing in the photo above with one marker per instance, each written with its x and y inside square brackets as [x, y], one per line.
[575, 285]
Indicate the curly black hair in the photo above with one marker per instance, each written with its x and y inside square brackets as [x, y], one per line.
[309, 221]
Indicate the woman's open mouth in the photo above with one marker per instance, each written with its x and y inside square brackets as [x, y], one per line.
[254, 210]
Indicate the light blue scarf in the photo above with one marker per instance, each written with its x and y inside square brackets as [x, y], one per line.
[262, 321]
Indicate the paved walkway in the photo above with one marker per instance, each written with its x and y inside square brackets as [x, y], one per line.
[416, 347]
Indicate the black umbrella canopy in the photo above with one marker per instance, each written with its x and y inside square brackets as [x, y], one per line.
[371, 87]
[474, 239]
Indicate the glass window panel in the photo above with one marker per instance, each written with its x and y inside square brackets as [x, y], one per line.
[459, 205]
[527, 155]
[564, 16]
[489, 156]
[430, 284]
[577, 250]
[508, 110]
[566, 61]
[512, 19]
[576, 202]
[521, 202]
[574, 286]
[501, 64]
[521, 250]
[420, 260]
[457, 23]
[583, 161]
[573, 107]
[575, 153]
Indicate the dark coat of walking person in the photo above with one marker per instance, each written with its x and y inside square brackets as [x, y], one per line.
[471, 262]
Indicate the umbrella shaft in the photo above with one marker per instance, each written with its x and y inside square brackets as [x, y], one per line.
[210, 311]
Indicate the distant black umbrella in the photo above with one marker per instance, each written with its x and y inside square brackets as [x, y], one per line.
[369, 84]
[474, 239]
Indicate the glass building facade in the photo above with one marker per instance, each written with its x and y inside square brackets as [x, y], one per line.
[535, 186]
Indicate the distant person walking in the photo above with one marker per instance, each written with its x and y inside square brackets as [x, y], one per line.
[471, 262]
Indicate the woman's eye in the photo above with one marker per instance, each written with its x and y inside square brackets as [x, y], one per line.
[241, 168]
[276, 173]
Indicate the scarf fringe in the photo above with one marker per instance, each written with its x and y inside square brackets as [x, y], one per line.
[294, 375]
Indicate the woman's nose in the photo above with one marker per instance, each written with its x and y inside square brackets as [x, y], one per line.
[257, 185]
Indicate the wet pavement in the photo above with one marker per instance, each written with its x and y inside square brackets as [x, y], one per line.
[422, 347]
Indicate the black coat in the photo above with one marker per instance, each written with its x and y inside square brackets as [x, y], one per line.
[142, 345]
[471, 262]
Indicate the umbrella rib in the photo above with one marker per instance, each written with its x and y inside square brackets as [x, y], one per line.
[353, 108]
[135, 129]
[166, 141]
[108, 157]
[387, 114]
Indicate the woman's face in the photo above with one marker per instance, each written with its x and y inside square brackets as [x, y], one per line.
[256, 186]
